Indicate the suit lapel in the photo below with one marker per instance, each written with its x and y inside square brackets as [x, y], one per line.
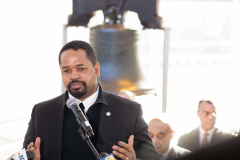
[55, 128]
[195, 139]
[106, 123]
[172, 154]
[214, 138]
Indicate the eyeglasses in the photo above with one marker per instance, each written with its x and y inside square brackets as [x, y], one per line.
[206, 113]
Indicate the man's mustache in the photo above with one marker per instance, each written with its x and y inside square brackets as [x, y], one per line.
[77, 81]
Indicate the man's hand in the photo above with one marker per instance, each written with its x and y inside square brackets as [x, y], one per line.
[36, 148]
[126, 151]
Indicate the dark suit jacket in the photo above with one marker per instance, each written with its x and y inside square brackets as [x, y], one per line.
[126, 119]
[190, 140]
[228, 150]
[177, 152]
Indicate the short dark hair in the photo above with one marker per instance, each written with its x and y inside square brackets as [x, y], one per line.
[207, 101]
[75, 45]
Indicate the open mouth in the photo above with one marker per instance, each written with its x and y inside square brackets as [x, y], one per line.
[76, 85]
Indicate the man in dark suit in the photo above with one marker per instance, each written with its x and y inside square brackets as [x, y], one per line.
[161, 133]
[116, 121]
[206, 134]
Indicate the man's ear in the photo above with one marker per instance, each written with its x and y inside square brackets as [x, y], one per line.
[172, 134]
[198, 113]
[97, 69]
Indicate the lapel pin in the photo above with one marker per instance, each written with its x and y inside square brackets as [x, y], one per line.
[108, 113]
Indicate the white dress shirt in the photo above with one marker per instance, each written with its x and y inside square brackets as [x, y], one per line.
[87, 102]
[201, 135]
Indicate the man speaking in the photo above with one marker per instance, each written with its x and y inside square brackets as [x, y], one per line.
[116, 122]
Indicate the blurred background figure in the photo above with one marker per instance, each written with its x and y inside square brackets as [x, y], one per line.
[206, 134]
[161, 133]
[127, 94]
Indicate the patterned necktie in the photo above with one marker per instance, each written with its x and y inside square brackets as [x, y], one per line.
[204, 141]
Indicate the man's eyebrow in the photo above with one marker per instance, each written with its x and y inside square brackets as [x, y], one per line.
[76, 65]
[64, 67]
[80, 64]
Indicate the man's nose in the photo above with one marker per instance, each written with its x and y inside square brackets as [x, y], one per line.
[74, 75]
[155, 140]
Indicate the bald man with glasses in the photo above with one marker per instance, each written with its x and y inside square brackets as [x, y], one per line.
[206, 134]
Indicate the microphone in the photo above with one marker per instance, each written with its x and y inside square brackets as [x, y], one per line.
[105, 156]
[30, 154]
[80, 117]
[23, 155]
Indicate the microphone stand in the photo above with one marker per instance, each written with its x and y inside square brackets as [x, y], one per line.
[86, 138]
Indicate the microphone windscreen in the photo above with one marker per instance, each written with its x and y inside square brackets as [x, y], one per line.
[70, 101]
[30, 154]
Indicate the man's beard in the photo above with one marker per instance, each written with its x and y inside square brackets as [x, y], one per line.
[77, 93]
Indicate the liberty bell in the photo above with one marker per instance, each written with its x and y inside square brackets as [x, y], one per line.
[115, 46]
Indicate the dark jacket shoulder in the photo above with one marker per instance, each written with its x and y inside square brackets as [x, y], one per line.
[53, 101]
[181, 151]
[177, 152]
[190, 140]
[189, 136]
[220, 136]
[192, 133]
[227, 150]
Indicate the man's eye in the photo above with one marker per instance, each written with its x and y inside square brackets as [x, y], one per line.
[81, 69]
[161, 135]
[66, 71]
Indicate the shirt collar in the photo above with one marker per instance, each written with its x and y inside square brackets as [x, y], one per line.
[210, 132]
[87, 102]
[201, 134]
